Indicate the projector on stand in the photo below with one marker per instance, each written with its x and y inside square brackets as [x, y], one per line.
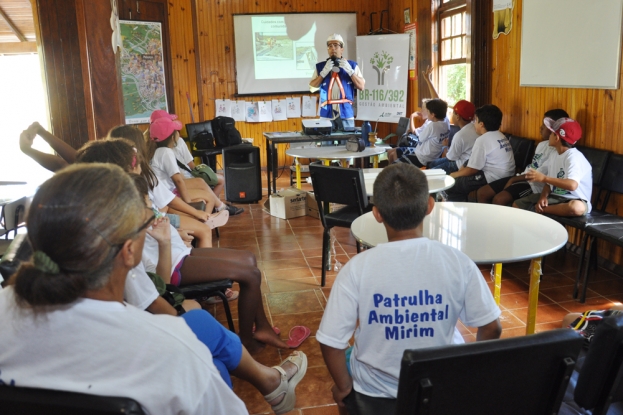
[317, 127]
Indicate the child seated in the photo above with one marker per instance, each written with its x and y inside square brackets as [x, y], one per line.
[491, 159]
[463, 141]
[569, 192]
[405, 294]
[508, 189]
[431, 138]
[164, 133]
[183, 155]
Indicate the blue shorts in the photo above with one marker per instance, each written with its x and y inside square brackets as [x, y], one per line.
[224, 345]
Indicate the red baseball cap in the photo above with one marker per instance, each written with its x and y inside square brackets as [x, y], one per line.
[565, 128]
[162, 128]
[465, 109]
[160, 114]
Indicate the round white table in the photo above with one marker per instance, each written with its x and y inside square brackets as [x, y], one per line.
[329, 153]
[437, 179]
[488, 234]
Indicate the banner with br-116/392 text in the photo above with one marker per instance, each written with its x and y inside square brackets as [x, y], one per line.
[384, 61]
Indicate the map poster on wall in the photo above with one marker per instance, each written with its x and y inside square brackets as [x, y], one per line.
[142, 70]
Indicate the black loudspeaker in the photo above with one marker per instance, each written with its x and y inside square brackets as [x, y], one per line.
[243, 182]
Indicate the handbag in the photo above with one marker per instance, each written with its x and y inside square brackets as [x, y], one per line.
[355, 144]
[202, 171]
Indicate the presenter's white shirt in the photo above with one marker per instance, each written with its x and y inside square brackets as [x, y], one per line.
[431, 141]
[404, 295]
[492, 153]
[112, 349]
[572, 165]
[164, 165]
[462, 144]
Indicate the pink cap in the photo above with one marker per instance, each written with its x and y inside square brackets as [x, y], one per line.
[160, 114]
[565, 128]
[161, 128]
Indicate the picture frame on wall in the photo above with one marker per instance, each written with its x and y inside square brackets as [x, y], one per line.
[407, 13]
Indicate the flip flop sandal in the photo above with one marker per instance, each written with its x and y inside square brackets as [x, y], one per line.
[230, 294]
[297, 335]
[287, 386]
[217, 219]
[275, 329]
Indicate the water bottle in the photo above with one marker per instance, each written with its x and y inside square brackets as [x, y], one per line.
[365, 131]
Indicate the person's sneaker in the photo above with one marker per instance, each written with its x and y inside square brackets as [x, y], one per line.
[233, 210]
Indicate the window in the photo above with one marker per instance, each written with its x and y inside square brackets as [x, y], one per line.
[452, 50]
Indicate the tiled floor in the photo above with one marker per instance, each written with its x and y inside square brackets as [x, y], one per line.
[289, 255]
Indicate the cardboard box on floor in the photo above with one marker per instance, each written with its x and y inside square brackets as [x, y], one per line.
[288, 203]
[312, 205]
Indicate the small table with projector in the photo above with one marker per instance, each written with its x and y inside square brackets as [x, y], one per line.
[274, 138]
[487, 234]
[330, 153]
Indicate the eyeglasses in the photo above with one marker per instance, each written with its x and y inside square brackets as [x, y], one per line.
[334, 45]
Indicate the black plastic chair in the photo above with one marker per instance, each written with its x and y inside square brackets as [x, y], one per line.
[605, 183]
[11, 219]
[520, 375]
[343, 186]
[523, 150]
[207, 156]
[19, 401]
[599, 385]
[210, 289]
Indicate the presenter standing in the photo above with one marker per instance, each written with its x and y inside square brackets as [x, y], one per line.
[337, 78]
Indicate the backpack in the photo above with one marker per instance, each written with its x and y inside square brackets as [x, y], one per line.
[203, 140]
[225, 133]
[408, 140]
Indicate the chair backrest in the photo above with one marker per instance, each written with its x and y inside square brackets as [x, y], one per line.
[612, 174]
[598, 160]
[453, 130]
[13, 215]
[14, 401]
[403, 126]
[520, 375]
[523, 149]
[601, 379]
[344, 186]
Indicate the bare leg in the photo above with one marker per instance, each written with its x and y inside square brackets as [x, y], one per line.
[391, 155]
[201, 185]
[216, 264]
[200, 231]
[264, 379]
[572, 208]
[485, 194]
[503, 198]
[218, 189]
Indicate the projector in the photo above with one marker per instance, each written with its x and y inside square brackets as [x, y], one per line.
[317, 127]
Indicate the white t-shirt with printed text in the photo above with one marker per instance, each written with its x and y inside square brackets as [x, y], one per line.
[542, 154]
[572, 165]
[431, 141]
[462, 144]
[492, 153]
[404, 295]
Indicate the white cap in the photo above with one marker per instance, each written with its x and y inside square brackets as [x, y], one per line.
[335, 37]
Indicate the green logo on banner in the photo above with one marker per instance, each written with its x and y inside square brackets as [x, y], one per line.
[381, 64]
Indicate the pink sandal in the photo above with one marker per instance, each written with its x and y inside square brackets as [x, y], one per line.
[217, 219]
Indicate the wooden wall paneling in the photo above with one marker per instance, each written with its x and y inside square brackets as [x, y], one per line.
[104, 82]
[86, 75]
[60, 50]
[424, 45]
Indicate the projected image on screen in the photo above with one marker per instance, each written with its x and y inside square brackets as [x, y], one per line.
[279, 53]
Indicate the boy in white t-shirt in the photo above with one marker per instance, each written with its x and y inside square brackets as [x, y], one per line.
[568, 175]
[506, 190]
[405, 294]
[462, 142]
[491, 159]
[430, 144]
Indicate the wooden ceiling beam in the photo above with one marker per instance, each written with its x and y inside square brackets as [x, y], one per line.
[12, 48]
[14, 28]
